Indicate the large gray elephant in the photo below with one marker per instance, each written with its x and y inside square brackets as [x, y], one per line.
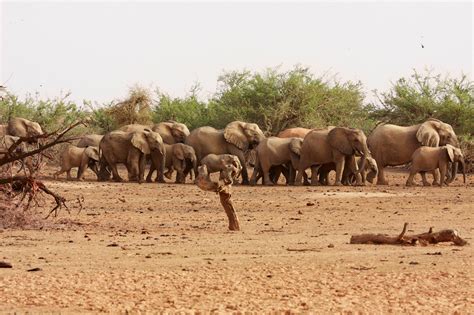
[179, 157]
[82, 158]
[273, 152]
[131, 149]
[91, 140]
[172, 132]
[236, 138]
[337, 145]
[393, 145]
[21, 127]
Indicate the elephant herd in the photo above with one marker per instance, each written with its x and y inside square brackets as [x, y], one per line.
[431, 146]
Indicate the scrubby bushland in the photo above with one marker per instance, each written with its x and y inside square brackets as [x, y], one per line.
[273, 99]
[414, 99]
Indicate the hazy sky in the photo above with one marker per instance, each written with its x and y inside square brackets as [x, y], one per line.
[97, 50]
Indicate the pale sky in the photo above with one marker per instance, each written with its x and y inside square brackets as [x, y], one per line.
[97, 50]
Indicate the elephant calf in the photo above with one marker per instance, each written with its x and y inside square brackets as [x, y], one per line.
[223, 163]
[429, 159]
[82, 158]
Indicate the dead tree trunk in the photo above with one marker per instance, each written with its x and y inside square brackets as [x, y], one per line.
[423, 239]
[224, 195]
[204, 182]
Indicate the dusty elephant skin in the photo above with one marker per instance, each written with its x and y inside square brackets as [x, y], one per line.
[172, 251]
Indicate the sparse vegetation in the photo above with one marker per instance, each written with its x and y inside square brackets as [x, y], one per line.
[273, 99]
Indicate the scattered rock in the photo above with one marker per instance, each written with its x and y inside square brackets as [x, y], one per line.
[331, 245]
[414, 263]
[34, 269]
[310, 204]
[113, 245]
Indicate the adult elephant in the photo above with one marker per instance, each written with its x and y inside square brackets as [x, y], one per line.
[276, 151]
[393, 145]
[91, 140]
[297, 132]
[172, 132]
[336, 145]
[131, 149]
[236, 138]
[21, 127]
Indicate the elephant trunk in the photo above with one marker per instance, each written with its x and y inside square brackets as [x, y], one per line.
[195, 167]
[454, 172]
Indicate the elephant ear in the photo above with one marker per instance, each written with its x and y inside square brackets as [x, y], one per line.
[427, 134]
[234, 133]
[295, 145]
[450, 151]
[140, 142]
[178, 152]
[338, 139]
[92, 153]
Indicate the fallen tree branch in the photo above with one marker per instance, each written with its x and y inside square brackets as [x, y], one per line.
[423, 239]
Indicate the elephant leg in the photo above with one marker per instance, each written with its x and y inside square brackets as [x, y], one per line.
[141, 168]
[161, 168]
[150, 172]
[411, 177]
[266, 174]
[314, 175]
[381, 175]
[255, 174]
[169, 173]
[305, 178]
[424, 180]
[442, 174]
[68, 172]
[301, 169]
[291, 175]
[115, 175]
[61, 171]
[436, 177]
[340, 161]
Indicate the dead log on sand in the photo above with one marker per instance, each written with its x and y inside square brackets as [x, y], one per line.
[423, 239]
[204, 182]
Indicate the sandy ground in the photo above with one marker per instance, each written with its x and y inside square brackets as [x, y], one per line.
[165, 247]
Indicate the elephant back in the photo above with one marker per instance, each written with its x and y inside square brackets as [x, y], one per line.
[92, 140]
[206, 140]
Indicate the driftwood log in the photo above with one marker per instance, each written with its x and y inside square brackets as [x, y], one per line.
[423, 239]
[204, 182]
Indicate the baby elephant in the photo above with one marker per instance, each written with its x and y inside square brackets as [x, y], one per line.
[82, 158]
[224, 163]
[426, 159]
